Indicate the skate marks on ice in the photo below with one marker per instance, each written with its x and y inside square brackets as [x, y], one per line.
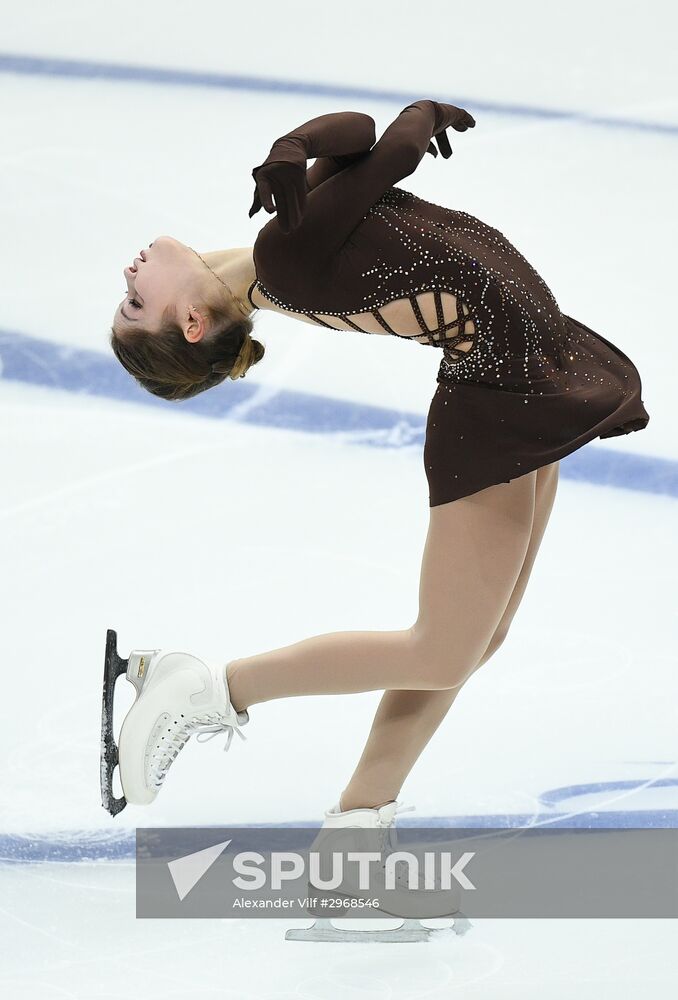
[434, 970]
[52, 951]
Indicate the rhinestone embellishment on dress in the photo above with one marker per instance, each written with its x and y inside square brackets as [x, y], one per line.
[508, 319]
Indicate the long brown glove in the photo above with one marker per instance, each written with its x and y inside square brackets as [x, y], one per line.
[280, 181]
[448, 116]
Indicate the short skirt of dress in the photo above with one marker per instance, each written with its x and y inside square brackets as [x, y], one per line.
[478, 434]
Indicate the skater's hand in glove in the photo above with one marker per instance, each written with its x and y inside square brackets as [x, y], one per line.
[448, 115]
[285, 182]
[289, 183]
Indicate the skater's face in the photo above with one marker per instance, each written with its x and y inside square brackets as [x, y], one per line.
[166, 276]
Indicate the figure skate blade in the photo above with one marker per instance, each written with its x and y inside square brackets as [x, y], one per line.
[114, 665]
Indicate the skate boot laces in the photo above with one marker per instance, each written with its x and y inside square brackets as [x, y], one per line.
[400, 808]
[387, 825]
[179, 733]
[389, 839]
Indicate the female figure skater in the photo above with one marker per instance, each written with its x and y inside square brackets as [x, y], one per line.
[520, 386]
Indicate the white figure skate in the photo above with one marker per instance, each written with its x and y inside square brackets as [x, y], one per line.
[177, 695]
[411, 904]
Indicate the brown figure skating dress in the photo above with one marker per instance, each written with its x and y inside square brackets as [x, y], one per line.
[520, 384]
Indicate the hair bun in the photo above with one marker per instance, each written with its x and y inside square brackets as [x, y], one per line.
[250, 352]
[242, 361]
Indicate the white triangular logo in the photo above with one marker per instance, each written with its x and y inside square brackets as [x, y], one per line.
[187, 871]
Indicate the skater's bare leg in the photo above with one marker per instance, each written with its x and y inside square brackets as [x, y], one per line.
[406, 720]
[474, 552]
[545, 495]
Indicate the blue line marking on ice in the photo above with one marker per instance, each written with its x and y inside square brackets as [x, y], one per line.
[88, 70]
[60, 366]
[120, 844]
[558, 795]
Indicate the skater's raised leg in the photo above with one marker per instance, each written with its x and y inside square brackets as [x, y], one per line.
[474, 552]
[405, 721]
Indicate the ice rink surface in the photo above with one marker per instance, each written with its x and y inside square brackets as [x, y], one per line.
[295, 503]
